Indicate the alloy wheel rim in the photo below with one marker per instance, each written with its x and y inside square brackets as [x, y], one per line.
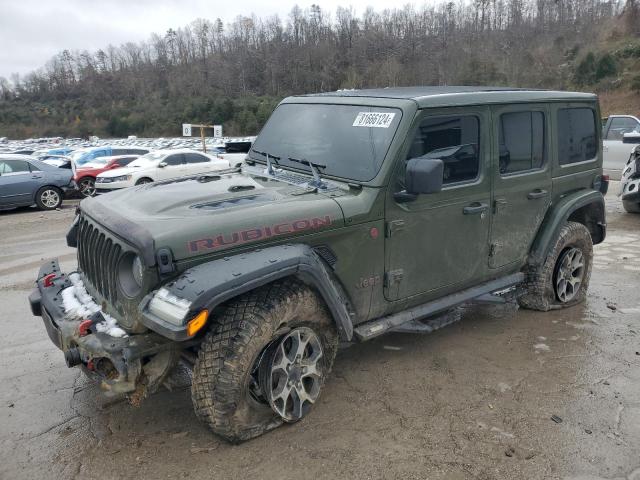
[50, 198]
[295, 374]
[569, 274]
[87, 188]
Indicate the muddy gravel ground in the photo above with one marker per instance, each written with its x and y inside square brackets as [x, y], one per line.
[474, 400]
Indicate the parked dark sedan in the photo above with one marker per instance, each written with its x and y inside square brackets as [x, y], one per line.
[25, 181]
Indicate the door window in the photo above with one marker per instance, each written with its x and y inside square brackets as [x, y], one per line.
[620, 126]
[195, 158]
[173, 160]
[455, 140]
[521, 141]
[13, 167]
[577, 138]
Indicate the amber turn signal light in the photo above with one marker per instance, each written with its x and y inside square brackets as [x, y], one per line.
[197, 322]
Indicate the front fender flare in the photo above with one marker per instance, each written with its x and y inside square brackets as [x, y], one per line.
[212, 283]
[557, 216]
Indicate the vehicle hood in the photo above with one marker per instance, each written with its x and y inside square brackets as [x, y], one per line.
[213, 213]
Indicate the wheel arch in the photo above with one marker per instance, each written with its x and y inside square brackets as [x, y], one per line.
[585, 207]
[212, 284]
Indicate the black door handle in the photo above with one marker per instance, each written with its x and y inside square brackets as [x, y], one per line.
[475, 208]
[537, 193]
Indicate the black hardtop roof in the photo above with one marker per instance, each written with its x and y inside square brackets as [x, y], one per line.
[459, 95]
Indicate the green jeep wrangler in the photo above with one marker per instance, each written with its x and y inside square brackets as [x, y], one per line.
[356, 213]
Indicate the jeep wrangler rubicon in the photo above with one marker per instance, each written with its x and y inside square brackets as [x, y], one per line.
[355, 213]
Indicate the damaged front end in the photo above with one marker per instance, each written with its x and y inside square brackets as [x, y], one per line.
[134, 364]
[630, 182]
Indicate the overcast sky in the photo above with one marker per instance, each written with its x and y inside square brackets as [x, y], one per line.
[32, 31]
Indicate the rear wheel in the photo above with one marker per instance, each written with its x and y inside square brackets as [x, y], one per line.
[563, 279]
[87, 186]
[49, 198]
[631, 207]
[264, 362]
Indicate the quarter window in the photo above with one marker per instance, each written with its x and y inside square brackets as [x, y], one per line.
[577, 139]
[521, 141]
[453, 139]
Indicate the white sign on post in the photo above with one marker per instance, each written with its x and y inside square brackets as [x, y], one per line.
[186, 129]
[217, 131]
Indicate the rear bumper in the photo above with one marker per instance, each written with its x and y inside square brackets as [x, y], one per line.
[118, 363]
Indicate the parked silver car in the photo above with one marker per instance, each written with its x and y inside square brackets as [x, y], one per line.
[26, 181]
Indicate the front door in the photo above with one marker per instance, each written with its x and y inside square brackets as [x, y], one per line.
[17, 182]
[522, 180]
[439, 242]
[174, 167]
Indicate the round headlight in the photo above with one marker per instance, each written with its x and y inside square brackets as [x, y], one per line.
[131, 274]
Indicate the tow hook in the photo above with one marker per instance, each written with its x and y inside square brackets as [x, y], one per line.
[72, 357]
[83, 328]
[47, 281]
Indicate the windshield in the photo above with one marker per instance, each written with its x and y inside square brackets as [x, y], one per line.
[146, 160]
[350, 140]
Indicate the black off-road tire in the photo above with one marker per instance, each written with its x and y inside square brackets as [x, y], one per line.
[45, 198]
[539, 290]
[631, 207]
[222, 372]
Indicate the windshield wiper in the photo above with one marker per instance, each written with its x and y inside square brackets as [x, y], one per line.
[269, 158]
[315, 170]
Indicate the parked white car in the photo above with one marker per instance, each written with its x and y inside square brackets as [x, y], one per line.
[615, 153]
[159, 165]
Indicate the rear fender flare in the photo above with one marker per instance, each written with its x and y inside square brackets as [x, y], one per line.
[558, 215]
[210, 284]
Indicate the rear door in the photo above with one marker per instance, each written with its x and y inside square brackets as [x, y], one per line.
[521, 180]
[197, 163]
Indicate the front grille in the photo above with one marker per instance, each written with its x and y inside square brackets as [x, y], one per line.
[98, 256]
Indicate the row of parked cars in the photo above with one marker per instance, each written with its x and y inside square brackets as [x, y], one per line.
[45, 177]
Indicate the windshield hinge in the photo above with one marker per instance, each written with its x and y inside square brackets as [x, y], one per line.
[394, 226]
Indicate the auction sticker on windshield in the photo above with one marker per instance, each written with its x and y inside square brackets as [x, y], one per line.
[374, 119]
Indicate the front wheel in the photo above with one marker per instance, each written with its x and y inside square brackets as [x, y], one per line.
[49, 198]
[264, 362]
[143, 181]
[563, 279]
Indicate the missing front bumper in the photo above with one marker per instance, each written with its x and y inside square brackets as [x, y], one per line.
[121, 365]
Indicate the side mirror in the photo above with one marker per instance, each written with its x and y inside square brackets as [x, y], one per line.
[162, 164]
[423, 175]
[631, 137]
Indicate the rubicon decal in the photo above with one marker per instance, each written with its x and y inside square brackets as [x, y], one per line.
[260, 233]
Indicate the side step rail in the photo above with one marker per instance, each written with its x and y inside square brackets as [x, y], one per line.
[382, 325]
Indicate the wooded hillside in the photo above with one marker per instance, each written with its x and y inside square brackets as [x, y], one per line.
[236, 73]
